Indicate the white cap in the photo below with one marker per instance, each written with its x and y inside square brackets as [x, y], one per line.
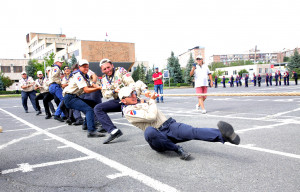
[82, 62]
[23, 72]
[125, 92]
[58, 60]
[199, 57]
[48, 68]
[103, 61]
[39, 72]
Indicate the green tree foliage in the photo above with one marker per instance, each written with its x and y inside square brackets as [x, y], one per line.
[4, 82]
[171, 64]
[217, 73]
[135, 74]
[142, 74]
[294, 64]
[49, 60]
[177, 72]
[241, 72]
[32, 68]
[241, 62]
[215, 65]
[286, 59]
[187, 78]
[73, 61]
[149, 76]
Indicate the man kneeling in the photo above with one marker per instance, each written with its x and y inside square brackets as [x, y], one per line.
[161, 133]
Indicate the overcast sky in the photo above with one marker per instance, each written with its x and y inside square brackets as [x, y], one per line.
[157, 27]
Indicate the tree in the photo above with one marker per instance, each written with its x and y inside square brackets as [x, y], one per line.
[31, 68]
[149, 76]
[135, 74]
[294, 65]
[187, 78]
[73, 61]
[286, 59]
[171, 64]
[241, 72]
[4, 82]
[217, 73]
[177, 72]
[49, 60]
[215, 65]
[142, 75]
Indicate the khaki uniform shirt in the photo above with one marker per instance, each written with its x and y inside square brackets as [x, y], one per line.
[143, 115]
[54, 75]
[76, 84]
[120, 78]
[26, 82]
[65, 80]
[44, 83]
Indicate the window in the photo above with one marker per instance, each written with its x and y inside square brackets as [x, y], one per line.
[266, 70]
[226, 72]
[234, 72]
[5, 69]
[260, 70]
[18, 69]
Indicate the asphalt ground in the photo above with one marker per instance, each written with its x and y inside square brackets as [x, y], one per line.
[47, 155]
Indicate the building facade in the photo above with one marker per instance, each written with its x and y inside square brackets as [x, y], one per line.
[196, 51]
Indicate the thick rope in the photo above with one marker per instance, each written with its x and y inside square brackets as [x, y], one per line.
[233, 94]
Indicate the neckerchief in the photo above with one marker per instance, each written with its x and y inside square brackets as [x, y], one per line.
[69, 77]
[85, 76]
[112, 76]
[42, 81]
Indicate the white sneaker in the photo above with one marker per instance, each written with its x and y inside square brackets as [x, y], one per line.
[197, 107]
[203, 111]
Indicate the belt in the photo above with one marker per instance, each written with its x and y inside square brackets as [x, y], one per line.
[166, 123]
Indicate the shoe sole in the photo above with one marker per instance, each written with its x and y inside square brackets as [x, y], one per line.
[100, 135]
[185, 157]
[108, 141]
[228, 133]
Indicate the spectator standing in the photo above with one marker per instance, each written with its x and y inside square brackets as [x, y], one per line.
[295, 75]
[158, 84]
[224, 81]
[200, 72]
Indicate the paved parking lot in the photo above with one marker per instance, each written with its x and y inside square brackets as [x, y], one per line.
[46, 155]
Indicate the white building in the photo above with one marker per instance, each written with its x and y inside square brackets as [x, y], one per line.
[185, 57]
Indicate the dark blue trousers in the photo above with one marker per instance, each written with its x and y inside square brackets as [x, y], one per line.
[31, 95]
[86, 106]
[94, 96]
[101, 111]
[161, 91]
[170, 133]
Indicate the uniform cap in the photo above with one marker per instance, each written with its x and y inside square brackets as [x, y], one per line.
[58, 60]
[39, 72]
[83, 62]
[125, 92]
[48, 68]
[103, 61]
[23, 72]
[199, 57]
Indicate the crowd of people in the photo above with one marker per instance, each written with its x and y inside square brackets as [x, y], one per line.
[257, 80]
[79, 90]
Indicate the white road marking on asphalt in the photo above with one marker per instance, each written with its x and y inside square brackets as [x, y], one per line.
[114, 176]
[155, 184]
[65, 146]
[18, 130]
[282, 113]
[266, 150]
[25, 167]
[49, 139]
[125, 124]
[262, 127]
[20, 139]
[51, 128]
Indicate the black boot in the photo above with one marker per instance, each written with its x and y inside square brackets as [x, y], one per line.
[182, 154]
[228, 133]
[113, 136]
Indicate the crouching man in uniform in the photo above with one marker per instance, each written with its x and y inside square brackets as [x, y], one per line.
[161, 133]
[79, 84]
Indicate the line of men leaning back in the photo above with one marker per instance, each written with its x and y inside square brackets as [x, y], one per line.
[80, 91]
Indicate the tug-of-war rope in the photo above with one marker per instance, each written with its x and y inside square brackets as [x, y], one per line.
[233, 94]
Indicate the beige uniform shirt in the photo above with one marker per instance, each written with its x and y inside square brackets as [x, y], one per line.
[42, 83]
[65, 80]
[76, 84]
[143, 115]
[26, 82]
[54, 75]
[120, 78]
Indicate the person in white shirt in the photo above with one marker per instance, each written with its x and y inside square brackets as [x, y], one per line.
[200, 72]
[27, 87]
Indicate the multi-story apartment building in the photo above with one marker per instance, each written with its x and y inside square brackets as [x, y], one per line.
[42, 44]
[184, 57]
[260, 57]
